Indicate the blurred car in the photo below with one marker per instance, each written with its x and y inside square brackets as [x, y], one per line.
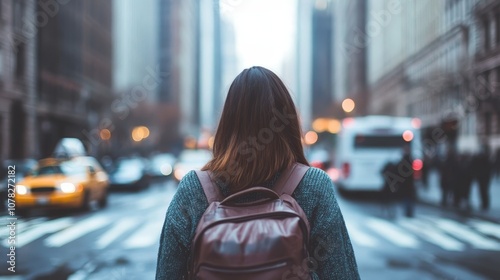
[190, 160]
[161, 165]
[129, 174]
[63, 183]
[22, 168]
[319, 158]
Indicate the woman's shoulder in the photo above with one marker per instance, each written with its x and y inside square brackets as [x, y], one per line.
[190, 189]
[317, 178]
[316, 185]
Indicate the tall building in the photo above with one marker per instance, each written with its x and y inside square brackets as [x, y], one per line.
[135, 48]
[487, 72]
[18, 36]
[190, 55]
[435, 60]
[74, 66]
[298, 69]
[350, 49]
[420, 64]
[322, 60]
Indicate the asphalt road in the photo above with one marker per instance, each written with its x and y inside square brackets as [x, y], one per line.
[121, 241]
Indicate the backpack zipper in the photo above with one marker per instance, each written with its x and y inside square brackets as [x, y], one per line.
[244, 270]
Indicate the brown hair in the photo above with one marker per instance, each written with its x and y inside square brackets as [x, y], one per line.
[259, 132]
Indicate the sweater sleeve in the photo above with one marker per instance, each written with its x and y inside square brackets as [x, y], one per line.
[187, 206]
[330, 249]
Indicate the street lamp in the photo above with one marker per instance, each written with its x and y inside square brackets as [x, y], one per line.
[140, 133]
[348, 105]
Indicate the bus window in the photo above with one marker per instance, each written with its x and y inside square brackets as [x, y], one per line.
[379, 142]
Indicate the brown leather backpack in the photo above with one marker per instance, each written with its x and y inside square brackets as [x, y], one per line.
[263, 239]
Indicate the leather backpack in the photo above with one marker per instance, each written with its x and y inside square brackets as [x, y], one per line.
[261, 239]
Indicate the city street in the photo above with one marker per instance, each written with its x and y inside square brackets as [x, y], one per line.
[121, 241]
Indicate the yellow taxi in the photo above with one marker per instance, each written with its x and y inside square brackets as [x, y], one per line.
[63, 183]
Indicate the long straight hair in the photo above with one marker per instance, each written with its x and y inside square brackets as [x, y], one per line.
[258, 133]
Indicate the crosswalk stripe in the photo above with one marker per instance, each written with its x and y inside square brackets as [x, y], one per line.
[392, 233]
[146, 236]
[432, 235]
[32, 234]
[360, 237]
[76, 231]
[487, 228]
[121, 227]
[466, 234]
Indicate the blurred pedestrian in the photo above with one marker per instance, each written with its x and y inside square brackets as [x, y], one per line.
[482, 172]
[448, 176]
[496, 165]
[258, 110]
[425, 170]
[389, 190]
[406, 189]
[464, 181]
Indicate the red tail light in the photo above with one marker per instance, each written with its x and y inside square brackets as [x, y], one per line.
[318, 164]
[346, 169]
[417, 165]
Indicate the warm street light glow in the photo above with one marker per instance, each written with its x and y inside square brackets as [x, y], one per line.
[320, 125]
[190, 142]
[311, 137]
[105, 134]
[348, 105]
[334, 126]
[140, 133]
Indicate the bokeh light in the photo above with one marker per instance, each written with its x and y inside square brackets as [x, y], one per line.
[348, 105]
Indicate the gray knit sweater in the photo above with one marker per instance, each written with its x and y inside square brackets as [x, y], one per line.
[330, 246]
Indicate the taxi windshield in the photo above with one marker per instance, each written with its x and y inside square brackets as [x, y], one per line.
[67, 169]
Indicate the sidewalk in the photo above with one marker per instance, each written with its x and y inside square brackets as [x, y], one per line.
[432, 196]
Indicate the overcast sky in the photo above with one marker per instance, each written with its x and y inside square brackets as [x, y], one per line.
[265, 31]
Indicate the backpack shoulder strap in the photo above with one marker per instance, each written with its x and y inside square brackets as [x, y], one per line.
[290, 179]
[212, 192]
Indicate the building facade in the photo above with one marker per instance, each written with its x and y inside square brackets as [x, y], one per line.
[422, 63]
[487, 72]
[351, 40]
[18, 36]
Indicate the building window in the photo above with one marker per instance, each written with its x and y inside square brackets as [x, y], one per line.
[1, 62]
[497, 27]
[17, 14]
[20, 60]
[486, 34]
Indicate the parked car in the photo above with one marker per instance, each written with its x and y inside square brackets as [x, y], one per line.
[22, 168]
[161, 165]
[129, 174]
[190, 160]
[63, 183]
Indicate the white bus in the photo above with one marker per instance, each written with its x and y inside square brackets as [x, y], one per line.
[366, 144]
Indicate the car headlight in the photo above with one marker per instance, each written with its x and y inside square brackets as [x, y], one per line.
[67, 187]
[166, 169]
[21, 189]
